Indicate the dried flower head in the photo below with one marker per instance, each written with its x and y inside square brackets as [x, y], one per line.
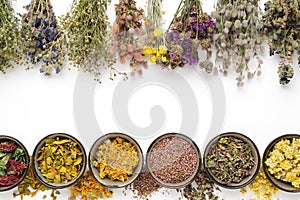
[238, 40]
[41, 37]
[9, 36]
[281, 30]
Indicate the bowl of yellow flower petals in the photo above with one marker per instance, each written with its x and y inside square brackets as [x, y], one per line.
[59, 160]
[115, 160]
[281, 162]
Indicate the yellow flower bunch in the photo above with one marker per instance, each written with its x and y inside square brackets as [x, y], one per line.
[156, 53]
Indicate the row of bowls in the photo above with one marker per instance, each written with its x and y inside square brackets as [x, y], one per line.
[137, 170]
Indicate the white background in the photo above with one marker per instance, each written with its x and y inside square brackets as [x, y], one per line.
[33, 106]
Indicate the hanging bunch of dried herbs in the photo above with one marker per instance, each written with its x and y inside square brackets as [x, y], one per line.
[201, 189]
[30, 186]
[154, 47]
[127, 35]
[190, 29]
[9, 36]
[87, 188]
[42, 40]
[281, 30]
[238, 40]
[88, 31]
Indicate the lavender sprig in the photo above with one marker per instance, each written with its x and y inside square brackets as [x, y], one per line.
[41, 37]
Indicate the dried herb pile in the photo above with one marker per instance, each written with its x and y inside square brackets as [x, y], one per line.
[144, 186]
[87, 188]
[30, 186]
[88, 31]
[9, 36]
[230, 160]
[238, 40]
[202, 188]
[116, 159]
[41, 37]
[281, 30]
[190, 29]
[283, 161]
[12, 163]
[128, 34]
[261, 187]
[60, 160]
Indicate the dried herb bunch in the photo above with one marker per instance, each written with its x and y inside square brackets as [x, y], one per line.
[155, 47]
[9, 36]
[128, 34]
[88, 31]
[189, 29]
[41, 37]
[30, 186]
[230, 160]
[87, 188]
[144, 186]
[238, 40]
[201, 189]
[281, 30]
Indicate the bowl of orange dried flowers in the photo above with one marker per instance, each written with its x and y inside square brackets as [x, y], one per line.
[115, 160]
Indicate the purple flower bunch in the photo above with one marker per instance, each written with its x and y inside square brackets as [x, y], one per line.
[190, 29]
[41, 40]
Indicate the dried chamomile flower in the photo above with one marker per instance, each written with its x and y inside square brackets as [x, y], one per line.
[281, 30]
[30, 186]
[42, 40]
[201, 189]
[261, 187]
[190, 29]
[9, 36]
[87, 188]
[238, 40]
[127, 34]
[284, 161]
[88, 31]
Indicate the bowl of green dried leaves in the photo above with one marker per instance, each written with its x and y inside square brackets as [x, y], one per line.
[59, 160]
[231, 160]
